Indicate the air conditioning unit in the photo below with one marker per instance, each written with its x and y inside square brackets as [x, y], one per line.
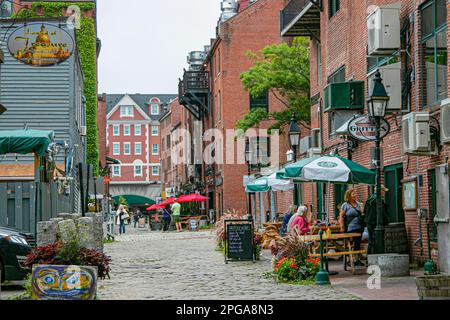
[445, 123]
[416, 137]
[392, 82]
[344, 96]
[83, 131]
[383, 27]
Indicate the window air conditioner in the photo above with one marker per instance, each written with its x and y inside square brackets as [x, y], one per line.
[315, 148]
[383, 27]
[445, 123]
[392, 82]
[416, 137]
[83, 131]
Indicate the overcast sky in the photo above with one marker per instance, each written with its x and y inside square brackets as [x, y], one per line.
[145, 42]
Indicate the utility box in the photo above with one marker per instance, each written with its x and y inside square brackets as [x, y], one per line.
[383, 27]
[344, 96]
[442, 217]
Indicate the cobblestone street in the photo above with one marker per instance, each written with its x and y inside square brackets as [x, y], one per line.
[154, 265]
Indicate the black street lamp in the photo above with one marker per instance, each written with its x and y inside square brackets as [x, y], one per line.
[377, 104]
[294, 141]
[247, 160]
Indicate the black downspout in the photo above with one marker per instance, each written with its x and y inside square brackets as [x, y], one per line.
[211, 85]
[80, 176]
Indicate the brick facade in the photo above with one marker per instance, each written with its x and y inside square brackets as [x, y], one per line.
[253, 28]
[343, 40]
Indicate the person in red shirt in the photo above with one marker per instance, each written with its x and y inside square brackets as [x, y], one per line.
[300, 224]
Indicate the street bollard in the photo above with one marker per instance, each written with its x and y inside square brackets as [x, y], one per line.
[322, 277]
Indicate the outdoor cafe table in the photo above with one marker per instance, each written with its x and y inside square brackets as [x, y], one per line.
[340, 242]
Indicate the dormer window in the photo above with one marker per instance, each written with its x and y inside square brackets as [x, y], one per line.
[126, 111]
[154, 107]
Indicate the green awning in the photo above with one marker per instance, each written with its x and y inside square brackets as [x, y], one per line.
[25, 141]
[134, 200]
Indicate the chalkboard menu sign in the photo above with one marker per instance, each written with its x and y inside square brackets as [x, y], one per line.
[239, 241]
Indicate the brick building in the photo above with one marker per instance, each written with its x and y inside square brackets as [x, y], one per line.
[219, 100]
[133, 138]
[408, 43]
[172, 174]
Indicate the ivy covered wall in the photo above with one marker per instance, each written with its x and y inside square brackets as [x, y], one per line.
[86, 44]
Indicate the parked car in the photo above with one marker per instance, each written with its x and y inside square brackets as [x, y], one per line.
[14, 247]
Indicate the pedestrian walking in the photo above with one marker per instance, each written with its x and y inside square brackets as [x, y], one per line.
[352, 219]
[166, 218]
[121, 215]
[176, 213]
[136, 218]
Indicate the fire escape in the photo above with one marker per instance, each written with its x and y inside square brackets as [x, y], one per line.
[193, 89]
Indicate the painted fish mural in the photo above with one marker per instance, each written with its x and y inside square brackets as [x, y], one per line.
[64, 282]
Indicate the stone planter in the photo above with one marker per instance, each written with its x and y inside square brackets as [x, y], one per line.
[55, 282]
[433, 287]
[390, 264]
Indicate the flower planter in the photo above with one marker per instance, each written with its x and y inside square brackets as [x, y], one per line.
[433, 287]
[56, 282]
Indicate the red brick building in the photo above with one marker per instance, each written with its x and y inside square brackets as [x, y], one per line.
[243, 26]
[173, 175]
[133, 138]
[408, 41]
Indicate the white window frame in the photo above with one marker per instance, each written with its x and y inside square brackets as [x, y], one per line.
[153, 150]
[157, 131]
[119, 171]
[153, 172]
[136, 131]
[114, 148]
[151, 109]
[136, 150]
[134, 170]
[116, 126]
[125, 131]
[129, 148]
[126, 114]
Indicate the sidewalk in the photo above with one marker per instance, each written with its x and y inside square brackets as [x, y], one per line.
[401, 288]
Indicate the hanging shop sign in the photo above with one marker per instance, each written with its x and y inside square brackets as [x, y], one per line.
[41, 44]
[364, 128]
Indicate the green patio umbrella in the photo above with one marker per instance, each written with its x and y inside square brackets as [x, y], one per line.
[330, 168]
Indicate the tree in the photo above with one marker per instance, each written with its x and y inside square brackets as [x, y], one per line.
[283, 71]
[123, 201]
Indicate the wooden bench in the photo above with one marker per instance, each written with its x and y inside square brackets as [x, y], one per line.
[337, 254]
[344, 254]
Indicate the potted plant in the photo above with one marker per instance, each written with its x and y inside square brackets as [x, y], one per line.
[66, 271]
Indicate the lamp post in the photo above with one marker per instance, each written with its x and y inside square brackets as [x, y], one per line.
[247, 160]
[294, 141]
[377, 103]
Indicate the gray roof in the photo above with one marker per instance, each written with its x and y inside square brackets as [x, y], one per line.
[142, 100]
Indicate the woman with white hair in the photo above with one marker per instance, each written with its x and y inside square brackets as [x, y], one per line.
[300, 225]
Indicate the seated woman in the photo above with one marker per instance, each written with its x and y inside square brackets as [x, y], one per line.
[300, 224]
